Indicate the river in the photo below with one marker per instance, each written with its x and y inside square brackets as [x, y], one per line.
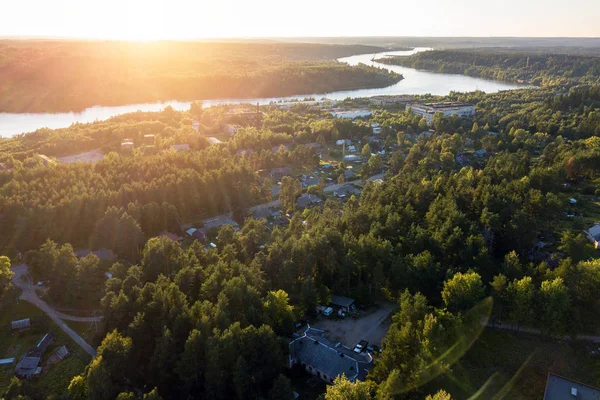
[414, 82]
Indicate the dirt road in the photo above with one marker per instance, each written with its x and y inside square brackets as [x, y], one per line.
[22, 280]
[371, 327]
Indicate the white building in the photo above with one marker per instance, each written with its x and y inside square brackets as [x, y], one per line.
[352, 114]
[593, 234]
[428, 110]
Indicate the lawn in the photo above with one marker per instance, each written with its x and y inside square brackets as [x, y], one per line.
[58, 377]
[517, 363]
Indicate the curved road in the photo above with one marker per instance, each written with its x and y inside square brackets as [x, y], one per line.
[22, 280]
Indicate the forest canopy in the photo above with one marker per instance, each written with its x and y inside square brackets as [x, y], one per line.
[53, 76]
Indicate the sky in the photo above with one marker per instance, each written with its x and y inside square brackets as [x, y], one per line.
[189, 19]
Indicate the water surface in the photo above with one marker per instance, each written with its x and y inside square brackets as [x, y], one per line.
[414, 82]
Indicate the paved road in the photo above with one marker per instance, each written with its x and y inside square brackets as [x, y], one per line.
[23, 282]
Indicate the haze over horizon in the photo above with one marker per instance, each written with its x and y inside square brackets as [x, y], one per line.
[185, 20]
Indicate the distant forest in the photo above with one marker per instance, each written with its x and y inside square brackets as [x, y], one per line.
[538, 68]
[56, 76]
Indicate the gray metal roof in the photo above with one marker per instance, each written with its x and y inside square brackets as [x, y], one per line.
[28, 362]
[21, 323]
[341, 301]
[559, 388]
[315, 353]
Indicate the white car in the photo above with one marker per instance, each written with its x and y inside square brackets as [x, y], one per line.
[328, 311]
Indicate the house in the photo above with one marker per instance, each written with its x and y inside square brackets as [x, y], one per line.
[46, 160]
[149, 139]
[559, 388]
[196, 125]
[481, 153]
[6, 361]
[462, 158]
[315, 146]
[180, 147]
[29, 364]
[231, 129]
[341, 142]
[280, 172]
[265, 213]
[352, 149]
[244, 152]
[174, 237]
[127, 145]
[197, 234]
[349, 173]
[213, 140]
[310, 181]
[275, 149]
[376, 129]
[593, 234]
[346, 191]
[351, 157]
[21, 324]
[346, 304]
[323, 358]
[307, 200]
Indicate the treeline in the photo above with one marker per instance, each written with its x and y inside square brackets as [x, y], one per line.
[71, 76]
[535, 67]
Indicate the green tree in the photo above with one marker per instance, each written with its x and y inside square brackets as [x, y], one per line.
[463, 291]
[290, 190]
[282, 389]
[279, 312]
[161, 255]
[5, 274]
[519, 297]
[343, 389]
[440, 395]
[366, 151]
[573, 245]
[554, 305]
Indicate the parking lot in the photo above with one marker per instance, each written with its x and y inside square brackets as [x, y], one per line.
[371, 325]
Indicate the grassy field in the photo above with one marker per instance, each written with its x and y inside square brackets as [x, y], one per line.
[58, 377]
[518, 364]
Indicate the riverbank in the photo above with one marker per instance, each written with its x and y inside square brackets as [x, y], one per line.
[415, 82]
[65, 76]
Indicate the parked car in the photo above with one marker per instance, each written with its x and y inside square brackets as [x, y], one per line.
[361, 346]
[328, 311]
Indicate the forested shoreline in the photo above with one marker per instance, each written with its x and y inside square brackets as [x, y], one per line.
[57, 76]
[513, 65]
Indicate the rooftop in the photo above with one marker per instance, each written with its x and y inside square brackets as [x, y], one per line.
[342, 301]
[316, 352]
[560, 388]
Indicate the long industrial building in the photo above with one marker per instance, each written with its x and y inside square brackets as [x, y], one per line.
[428, 110]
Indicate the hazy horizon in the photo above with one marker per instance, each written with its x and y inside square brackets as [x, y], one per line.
[268, 19]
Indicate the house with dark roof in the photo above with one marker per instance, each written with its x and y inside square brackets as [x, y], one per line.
[29, 365]
[279, 172]
[325, 359]
[346, 304]
[307, 200]
[346, 191]
[560, 388]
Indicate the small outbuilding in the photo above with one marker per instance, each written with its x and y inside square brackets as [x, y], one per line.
[21, 324]
[346, 304]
